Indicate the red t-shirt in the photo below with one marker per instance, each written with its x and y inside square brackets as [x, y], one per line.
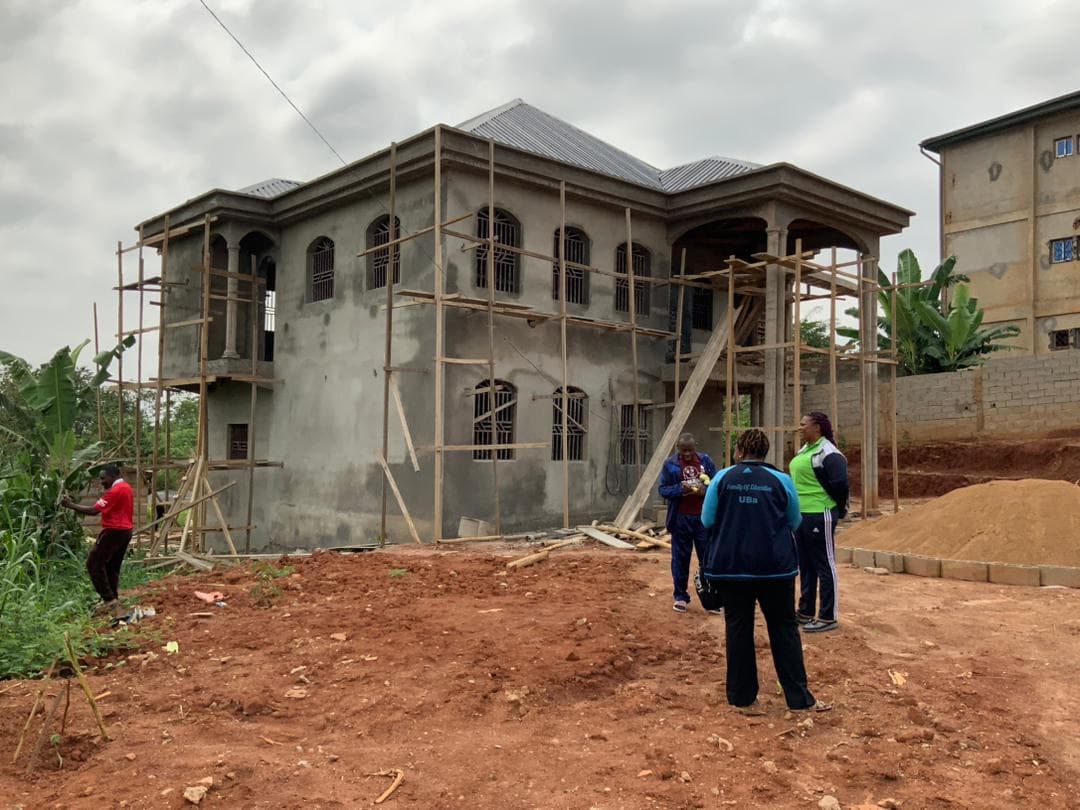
[691, 504]
[117, 506]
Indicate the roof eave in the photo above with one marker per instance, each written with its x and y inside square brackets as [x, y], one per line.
[1066, 103]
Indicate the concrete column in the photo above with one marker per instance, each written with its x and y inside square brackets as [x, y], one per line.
[230, 305]
[772, 415]
[868, 315]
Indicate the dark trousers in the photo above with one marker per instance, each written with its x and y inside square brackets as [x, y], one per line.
[687, 538]
[777, 600]
[816, 543]
[105, 560]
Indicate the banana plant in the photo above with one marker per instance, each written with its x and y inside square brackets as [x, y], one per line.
[957, 338]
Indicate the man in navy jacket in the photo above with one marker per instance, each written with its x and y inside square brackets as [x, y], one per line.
[682, 481]
[750, 512]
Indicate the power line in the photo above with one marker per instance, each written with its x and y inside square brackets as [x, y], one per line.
[284, 95]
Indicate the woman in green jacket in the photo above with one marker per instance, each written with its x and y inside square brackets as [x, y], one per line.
[819, 471]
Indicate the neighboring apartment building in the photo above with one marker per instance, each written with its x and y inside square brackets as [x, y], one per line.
[1010, 212]
[319, 335]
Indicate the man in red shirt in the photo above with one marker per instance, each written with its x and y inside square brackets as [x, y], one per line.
[117, 509]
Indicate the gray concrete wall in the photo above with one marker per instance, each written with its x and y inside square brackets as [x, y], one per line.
[1014, 397]
[1004, 197]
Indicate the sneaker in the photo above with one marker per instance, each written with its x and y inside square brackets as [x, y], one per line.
[680, 606]
[816, 706]
[819, 626]
[716, 611]
[802, 618]
[753, 710]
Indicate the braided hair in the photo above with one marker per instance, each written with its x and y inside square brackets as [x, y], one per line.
[823, 423]
[752, 444]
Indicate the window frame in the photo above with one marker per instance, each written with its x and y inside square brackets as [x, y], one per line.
[379, 233]
[577, 248]
[498, 429]
[627, 442]
[577, 424]
[1069, 149]
[320, 246]
[507, 263]
[233, 442]
[1068, 242]
[642, 289]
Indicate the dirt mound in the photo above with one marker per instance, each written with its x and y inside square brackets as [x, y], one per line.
[1028, 522]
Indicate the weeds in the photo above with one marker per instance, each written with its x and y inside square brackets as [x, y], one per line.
[264, 591]
[398, 572]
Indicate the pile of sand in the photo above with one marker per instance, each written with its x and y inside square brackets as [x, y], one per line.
[1027, 522]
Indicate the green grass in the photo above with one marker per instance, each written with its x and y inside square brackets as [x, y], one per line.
[43, 596]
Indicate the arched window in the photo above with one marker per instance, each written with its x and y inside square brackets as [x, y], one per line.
[321, 269]
[642, 269]
[378, 233]
[576, 249]
[494, 425]
[507, 232]
[577, 403]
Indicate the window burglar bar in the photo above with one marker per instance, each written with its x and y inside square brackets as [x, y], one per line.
[622, 286]
[269, 310]
[576, 407]
[322, 270]
[238, 441]
[494, 427]
[576, 249]
[701, 312]
[379, 234]
[631, 452]
[1062, 250]
[507, 232]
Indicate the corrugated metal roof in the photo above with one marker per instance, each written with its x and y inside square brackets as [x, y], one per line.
[700, 172]
[523, 126]
[268, 189]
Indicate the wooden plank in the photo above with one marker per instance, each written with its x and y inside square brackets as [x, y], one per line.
[642, 538]
[194, 562]
[523, 562]
[221, 518]
[695, 384]
[396, 395]
[440, 338]
[389, 335]
[492, 390]
[679, 325]
[604, 537]
[397, 496]
[410, 236]
[564, 439]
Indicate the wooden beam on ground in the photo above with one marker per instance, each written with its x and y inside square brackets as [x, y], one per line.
[648, 540]
[604, 537]
[523, 562]
[193, 561]
[695, 384]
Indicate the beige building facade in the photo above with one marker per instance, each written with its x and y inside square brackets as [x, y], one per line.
[1010, 213]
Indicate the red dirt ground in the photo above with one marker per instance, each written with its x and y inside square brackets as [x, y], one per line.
[570, 684]
[928, 470]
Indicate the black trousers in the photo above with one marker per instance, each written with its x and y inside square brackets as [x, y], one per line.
[105, 560]
[815, 540]
[777, 600]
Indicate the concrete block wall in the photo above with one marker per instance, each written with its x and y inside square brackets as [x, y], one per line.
[1021, 395]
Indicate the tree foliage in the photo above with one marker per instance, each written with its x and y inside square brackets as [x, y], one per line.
[931, 335]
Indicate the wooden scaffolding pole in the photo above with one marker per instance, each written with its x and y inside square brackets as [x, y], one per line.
[138, 385]
[729, 376]
[564, 438]
[97, 390]
[833, 399]
[679, 326]
[892, 401]
[254, 399]
[491, 331]
[156, 455]
[796, 360]
[119, 338]
[387, 345]
[440, 329]
[631, 287]
[202, 442]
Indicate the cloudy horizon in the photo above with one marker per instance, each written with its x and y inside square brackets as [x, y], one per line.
[115, 112]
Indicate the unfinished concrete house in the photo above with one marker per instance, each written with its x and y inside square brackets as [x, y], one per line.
[481, 319]
[1010, 213]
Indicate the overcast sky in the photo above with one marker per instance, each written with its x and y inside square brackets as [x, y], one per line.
[115, 111]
